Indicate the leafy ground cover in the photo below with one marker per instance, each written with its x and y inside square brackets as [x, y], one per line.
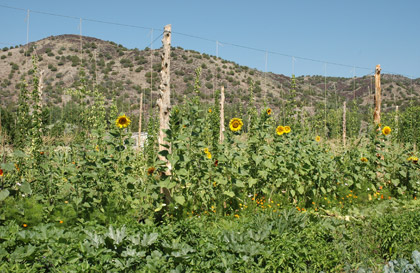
[287, 240]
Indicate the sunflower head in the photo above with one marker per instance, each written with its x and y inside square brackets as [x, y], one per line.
[209, 155]
[268, 111]
[206, 150]
[210, 110]
[413, 159]
[318, 139]
[287, 129]
[150, 170]
[280, 130]
[235, 124]
[386, 130]
[122, 121]
[364, 159]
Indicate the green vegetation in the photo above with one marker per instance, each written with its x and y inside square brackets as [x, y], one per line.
[281, 193]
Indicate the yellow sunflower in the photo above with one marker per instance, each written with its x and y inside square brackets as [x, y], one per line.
[206, 150]
[414, 159]
[210, 110]
[280, 130]
[364, 159]
[235, 124]
[287, 129]
[150, 170]
[209, 155]
[386, 130]
[122, 121]
[318, 139]
[269, 111]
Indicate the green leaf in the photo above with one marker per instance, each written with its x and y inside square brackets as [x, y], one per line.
[403, 173]
[252, 182]
[7, 167]
[229, 193]
[300, 189]
[19, 153]
[26, 188]
[395, 182]
[4, 194]
[149, 239]
[179, 199]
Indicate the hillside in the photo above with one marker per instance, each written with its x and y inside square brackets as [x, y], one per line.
[125, 73]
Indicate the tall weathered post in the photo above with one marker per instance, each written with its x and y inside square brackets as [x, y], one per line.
[164, 102]
[222, 115]
[140, 118]
[344, 123]
[377, 112]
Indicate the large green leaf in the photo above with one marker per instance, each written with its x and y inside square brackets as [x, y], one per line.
[4, 194]
[26, 188]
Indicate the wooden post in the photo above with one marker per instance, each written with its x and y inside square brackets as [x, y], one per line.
[344, 123]
[164, 103]
[396, 120]
[222, 115]
[140, 117]
[377, 112]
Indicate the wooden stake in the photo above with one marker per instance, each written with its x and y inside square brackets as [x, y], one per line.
[396, 120]
[344, 123]
[164, 103]
[140, 117]
[164, 99]
[222, 115]
[377, 112]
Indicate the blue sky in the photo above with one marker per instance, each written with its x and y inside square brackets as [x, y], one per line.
[359, 34]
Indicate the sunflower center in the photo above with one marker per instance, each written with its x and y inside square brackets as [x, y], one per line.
[235, 124]
[123, 120]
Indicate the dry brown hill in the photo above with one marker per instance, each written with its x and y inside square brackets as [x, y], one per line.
[124, 73]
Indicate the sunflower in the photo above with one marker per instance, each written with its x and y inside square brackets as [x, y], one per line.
[210, 110]
[414, 159]
[364, 159]
[206, 150]
[287, 129]
[209, 155]
[318, 139]
[235, 124]
[150, 170]
[122, 121]
[280, 130]
[386, 130]
[269, 111]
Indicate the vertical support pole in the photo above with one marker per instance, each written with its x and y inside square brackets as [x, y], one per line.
[396, 121]
[377, 112]
[140, 117]
[164, 103]
[151, 70]
[344, 123]
[164, 99]
[222, 115]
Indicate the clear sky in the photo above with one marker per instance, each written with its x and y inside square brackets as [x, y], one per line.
[357, 33]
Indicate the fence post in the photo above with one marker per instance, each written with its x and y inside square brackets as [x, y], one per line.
[140, 117]
[164, 103]
[377, 112]
[396, 121]
[344, 123]
[222, 115]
